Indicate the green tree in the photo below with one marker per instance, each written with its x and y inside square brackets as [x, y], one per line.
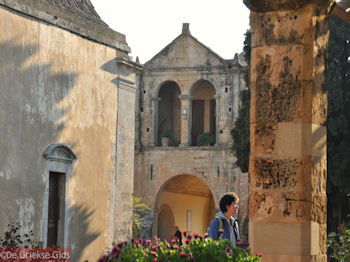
[338, 122]
[139, 211]
[241, 131]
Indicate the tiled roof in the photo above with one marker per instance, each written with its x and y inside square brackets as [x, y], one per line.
[82, 8]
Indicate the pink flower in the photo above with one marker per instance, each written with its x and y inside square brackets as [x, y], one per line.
[228, 249]
[239, 241]
[185, 233]
[195, 235]
[167, 245]
[206, 235]
[187, 241]
[155, 260]
[154, 248]
[258, 254]
[183, 254]
[221, 231]
[176, 247]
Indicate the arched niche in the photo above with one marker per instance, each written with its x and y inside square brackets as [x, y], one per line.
[166, 223]
[169, 111]
[203, 110]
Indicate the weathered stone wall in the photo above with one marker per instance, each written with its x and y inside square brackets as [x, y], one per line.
[60, 87]
[288, 135]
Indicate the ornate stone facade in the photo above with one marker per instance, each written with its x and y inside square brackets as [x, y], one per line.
[186, 90]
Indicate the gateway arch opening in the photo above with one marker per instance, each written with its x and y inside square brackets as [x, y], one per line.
[184, 201]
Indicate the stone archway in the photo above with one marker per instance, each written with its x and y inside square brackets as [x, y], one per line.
[166, 223]
[191, 202]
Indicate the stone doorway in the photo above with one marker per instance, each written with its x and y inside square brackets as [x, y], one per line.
[189, 200]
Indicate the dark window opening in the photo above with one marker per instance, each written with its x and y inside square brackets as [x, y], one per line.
[56, 212]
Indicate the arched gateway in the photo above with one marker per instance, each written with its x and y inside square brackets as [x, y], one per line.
[185, 201]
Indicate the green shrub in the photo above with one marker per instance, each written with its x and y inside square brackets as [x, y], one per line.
[174, 142]
[139, 211]
[338, 244]
[197, 248]
[206, 139]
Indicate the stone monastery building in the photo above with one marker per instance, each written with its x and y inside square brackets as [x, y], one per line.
[73, 153]
[186, 90]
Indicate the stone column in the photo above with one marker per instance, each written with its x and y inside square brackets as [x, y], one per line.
[288, 165]
[185, 123]
[154, 130]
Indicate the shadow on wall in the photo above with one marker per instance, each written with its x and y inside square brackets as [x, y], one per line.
[31, 118]
[81, 216]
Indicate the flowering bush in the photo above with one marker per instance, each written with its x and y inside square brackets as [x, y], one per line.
[197, 248]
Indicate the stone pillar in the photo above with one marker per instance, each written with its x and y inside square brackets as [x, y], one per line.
[185, 123]
[154, 130]
[288, 165]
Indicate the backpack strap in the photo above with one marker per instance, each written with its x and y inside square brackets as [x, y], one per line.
[220, 226]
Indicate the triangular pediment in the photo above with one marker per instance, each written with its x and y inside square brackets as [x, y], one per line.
[185, 51]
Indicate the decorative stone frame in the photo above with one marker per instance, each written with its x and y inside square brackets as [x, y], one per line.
[59, 158]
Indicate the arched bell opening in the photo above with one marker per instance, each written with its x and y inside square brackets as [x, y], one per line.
[203, 112]
[169, 112]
